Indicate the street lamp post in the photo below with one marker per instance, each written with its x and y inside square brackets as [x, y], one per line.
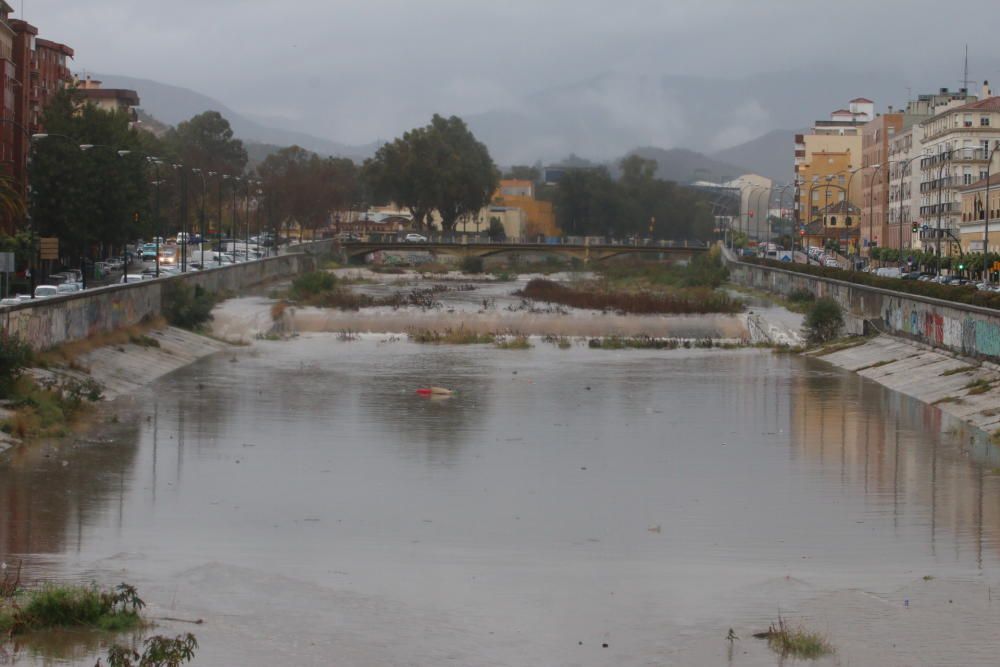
[201, 215]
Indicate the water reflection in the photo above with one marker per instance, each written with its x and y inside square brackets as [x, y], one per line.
[647, 483]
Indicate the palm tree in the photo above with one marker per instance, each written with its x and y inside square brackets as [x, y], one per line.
[12, 207]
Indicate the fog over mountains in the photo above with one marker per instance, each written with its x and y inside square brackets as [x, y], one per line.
[746, 123]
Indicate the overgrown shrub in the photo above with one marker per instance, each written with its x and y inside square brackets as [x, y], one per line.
[158, 651]
[706, 270]
[801, 295]
[824, 320]
[187, 307]
[691, 300]
[15, 356]
[471, 265]
[311, 284]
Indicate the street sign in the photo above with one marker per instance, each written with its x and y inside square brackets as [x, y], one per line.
[7, 262]
[48, 247]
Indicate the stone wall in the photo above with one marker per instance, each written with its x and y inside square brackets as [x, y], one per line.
[969, 330]
[62, 319]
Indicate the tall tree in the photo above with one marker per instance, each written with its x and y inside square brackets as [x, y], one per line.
[438, 167]
[87, 198]
[304, 188]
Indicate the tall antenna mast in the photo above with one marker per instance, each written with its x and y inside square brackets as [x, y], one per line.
[965, 71]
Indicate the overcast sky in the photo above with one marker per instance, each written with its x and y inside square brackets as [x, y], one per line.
[357, 70]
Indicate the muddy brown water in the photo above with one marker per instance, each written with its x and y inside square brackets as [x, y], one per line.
[313, 510]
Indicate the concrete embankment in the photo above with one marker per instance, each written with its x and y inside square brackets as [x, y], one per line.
[964, 389]
[971, 331]
[63, 319]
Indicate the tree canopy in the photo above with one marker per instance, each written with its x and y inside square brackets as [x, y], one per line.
[440, 167]
[305, 188]
[90, 196]
[591, 202]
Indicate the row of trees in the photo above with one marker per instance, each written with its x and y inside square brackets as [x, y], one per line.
[110, 193]
[590, 202]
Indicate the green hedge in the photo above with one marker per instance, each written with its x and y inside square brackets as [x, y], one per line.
[966, 294]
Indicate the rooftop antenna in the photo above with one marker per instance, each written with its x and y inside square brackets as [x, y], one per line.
[965, 71]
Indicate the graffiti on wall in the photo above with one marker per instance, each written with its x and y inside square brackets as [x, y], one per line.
[956, 328]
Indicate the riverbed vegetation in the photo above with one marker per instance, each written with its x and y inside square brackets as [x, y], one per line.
[824, 321]
[53, 606]
[459, 336]
[188, 307]
[643, 287]
[795, 641]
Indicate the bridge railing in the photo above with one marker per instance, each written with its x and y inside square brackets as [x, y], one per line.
[555, 241]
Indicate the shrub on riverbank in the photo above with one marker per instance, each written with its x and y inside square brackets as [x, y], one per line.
[824, 320]
[53, 606]
[187, 307]
[686, 301]
[15, 356]
[46, 408]
[471, 265]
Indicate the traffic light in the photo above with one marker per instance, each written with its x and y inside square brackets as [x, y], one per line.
[135, 216]
[915, 228]
[961, 267]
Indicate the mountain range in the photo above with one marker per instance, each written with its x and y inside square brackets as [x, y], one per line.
[696, 126]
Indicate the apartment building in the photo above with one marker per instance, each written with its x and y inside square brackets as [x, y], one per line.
[956, 143]
[8, 91]
[875, 137]
[825, 157]
[123, 100]
[904, 208]
[979, 202]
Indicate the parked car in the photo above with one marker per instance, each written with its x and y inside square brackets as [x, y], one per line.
[45, 291]
[10, 301]
[415, 238]
[68, 288]
[133, 278]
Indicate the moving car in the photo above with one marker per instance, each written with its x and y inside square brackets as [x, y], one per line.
[415, 238]
[148, 252]
[68, 288]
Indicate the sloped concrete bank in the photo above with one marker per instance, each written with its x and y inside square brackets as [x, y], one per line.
[63, 319]
[971, 331]
[958, 386]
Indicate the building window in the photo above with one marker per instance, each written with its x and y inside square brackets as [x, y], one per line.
[984, 121]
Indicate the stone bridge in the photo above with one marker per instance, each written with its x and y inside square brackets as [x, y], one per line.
[584, 252]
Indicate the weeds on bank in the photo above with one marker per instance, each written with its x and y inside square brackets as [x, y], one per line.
[980, 386]
[562, 342]
[956, 371]
[795, 642]
[514, 343]
[451, 337]
[46, 408]
[54, 606]
[877, 364]
[688, 301]
[650, 343]
[948, 399]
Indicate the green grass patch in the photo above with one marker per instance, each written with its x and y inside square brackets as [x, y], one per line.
[956, 371]
[948, 399]
[795, 642]
[877, 364]
[46, 409]
[514, 343]
[980, 386]
[452, 337]
[650, 343]
[59, 606]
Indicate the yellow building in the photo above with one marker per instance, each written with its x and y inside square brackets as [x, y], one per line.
[825, 158]
[539, 216]
[974, 212]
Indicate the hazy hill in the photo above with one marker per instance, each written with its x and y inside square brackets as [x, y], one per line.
[769, 155]
[173, 104]
[685, 166]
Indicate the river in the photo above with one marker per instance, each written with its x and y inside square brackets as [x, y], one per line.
[564, 507]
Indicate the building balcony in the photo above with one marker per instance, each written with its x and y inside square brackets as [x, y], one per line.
[938, 183]
[958, 155]
[944, 208]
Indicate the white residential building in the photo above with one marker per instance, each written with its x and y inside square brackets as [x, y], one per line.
[955, 144]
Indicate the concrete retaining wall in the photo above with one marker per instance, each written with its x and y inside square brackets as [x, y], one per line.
[969, 330]
[56, 320]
